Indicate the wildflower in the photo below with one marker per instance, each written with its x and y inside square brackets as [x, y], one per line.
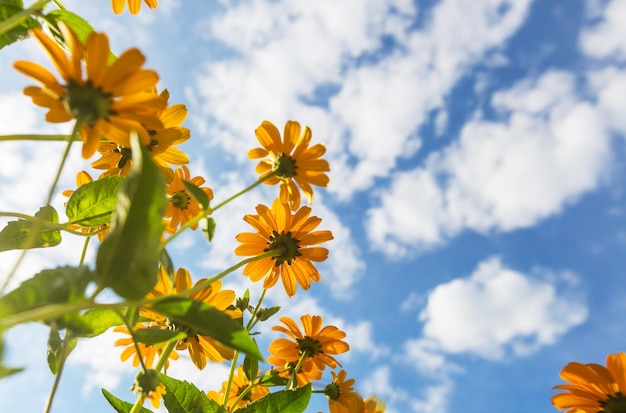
[373, 405]
[149, 386]
[313, 349]
[110, 102]
[133, 5]
[147, 352]
[294, 239]
[593, 388]
[201, 348]
[116, 159]
[83, 178]
[182, 206]
[239, 384]
[292, 161]
[341, 396]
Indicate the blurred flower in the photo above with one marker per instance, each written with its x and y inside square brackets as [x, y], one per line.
[83, 178]
[341, 396]
[133, 5]
[149, 386]
[314, 348]
[593, 388]
[201, 348]
[110, 102]
[373, 405]
[239, 384]
[292, 160]
[148, 351]
[182, 206]
[116, 159]
[294, 238]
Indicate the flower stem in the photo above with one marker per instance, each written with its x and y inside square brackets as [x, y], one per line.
[71, 140]
[18, 17]
[48, 138]
[243, 191]
[57, 378]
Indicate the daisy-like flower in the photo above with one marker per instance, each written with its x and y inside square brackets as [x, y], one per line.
[239, 384]
[313, 349]
[374, 405]
[148, 352]
[593, 388]
[149, 386]
[201, 348]
[294, 239]
[341, 395]
[116, 159]
[292, 160]
[110, 101]
[133, 5]
[83, 178]
[182, 206]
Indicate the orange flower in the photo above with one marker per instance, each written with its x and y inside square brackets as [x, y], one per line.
[239, 384]
[294, 238]
[182, 206]
[373, 405]
[341, 396]
[133, 5]
[292, 161]
[148, 352]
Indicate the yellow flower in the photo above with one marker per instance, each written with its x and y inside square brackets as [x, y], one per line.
[341, 396]
[110, 101]
[133, 5]
[148, 385]
[182, 206]
[148, 351]
[116, 159]
[593, 388]
[201, 348]
[373, 405]
[316, 347]
[291, 235]
[239, 384]
[83, 178]
[292, 161]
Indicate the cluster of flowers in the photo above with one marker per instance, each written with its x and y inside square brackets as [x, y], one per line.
[110, 98]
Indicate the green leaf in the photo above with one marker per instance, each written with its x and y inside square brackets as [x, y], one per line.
[203, 319]
[100, 320]
[128, 258]
[184, 397]
[54, 350]
[93, 203]
[77, 24]
[60, 285]
[156, 335]
[119, 405]
[20, 28]
[265, 313]
[23, 234]
[250, 367]
[197, 193]
[208, 228]
[272, 379]
[285, 401]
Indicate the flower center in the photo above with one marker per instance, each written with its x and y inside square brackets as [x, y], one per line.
[86, 103]
[180, 200]
[285, 166]
[286, 245]
[616, 403]
[309, 346]
[332, 391]
[125, 156]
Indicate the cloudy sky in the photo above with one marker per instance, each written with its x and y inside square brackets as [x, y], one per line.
[477, 196]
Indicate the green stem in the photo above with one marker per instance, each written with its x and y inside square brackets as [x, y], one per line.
[84, 252]
[43, 224]
[57, 379]
[71, 140]
[243, 191]
[293, 380]
[165, 355]
[18, 17]
[253, 318]
[48, 138]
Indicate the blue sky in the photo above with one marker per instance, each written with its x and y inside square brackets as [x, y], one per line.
[477, 185]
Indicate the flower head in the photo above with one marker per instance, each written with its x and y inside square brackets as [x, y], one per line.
[133, 5]
[593, 388]
[373, 405]
[292, 161]
[341, 396]
[313, 349]
[201, 348]
[116, 159]
[108, 99]
[83, 178]
[147, 352]
[149, 386]
[292, 236]
[239, 384]
[182, 206]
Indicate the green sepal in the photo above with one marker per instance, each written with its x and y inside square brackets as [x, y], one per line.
[128, 258]
[243, 302]
[9, 8]
[285, 401]
[93, 203]
[265, 313]
[23, 234]
[54, 349]
[184, 397]
[203, 319]
[156, 335]
[120, 405]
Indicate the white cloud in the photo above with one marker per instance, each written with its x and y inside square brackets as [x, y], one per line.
[548, 148]
[607, 38]
[496, 310]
